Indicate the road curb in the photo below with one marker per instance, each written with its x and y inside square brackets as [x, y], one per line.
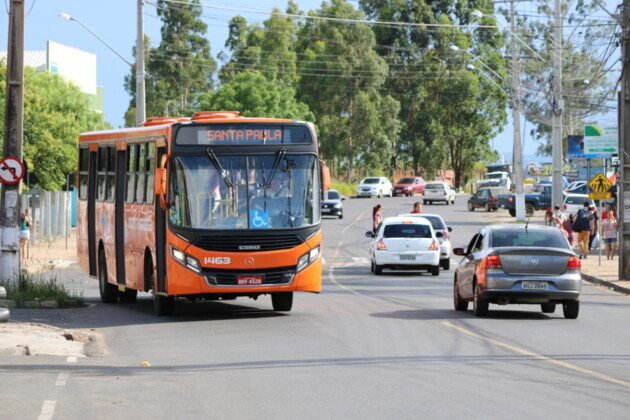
[612, 286]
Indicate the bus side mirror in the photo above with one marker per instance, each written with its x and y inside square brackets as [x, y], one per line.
[160, 181]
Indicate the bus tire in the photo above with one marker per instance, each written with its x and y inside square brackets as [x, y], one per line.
[163, 305]
[128, 296]
[282, 301]
[109, 292]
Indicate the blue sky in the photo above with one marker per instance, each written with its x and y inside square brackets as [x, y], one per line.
[115, 22]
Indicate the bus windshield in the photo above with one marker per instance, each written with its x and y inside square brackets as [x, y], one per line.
[279, 191]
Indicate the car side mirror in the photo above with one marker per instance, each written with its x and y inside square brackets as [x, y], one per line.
[343, 198]
[459, 251]
[450, 229]
[369, 234]
[439, 234]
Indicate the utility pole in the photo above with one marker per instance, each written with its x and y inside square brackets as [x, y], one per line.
[517, 148]
[13, 133]
[623, 197]
[557, 107]
[140, 90]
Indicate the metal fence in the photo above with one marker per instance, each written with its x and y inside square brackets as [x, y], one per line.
[53, 213]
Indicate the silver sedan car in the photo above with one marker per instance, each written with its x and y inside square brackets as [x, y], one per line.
[518, 264]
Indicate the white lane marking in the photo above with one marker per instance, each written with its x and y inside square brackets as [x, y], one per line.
[360, 260]
[48, 409]
[71, 359]
[538, 356]
[62, 379]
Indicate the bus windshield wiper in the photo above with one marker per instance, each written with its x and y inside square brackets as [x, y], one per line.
[217, 165]
[274, 168]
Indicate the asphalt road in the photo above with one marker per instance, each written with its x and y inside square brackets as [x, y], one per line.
[367, 347]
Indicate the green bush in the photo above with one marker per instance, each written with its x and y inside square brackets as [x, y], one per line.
[344, 188]
[31, 288]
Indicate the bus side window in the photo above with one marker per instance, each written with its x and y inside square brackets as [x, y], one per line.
[150, 168]
[111, 173]
[132, 163]
[83, 173]
[140, 182]
[101, 177]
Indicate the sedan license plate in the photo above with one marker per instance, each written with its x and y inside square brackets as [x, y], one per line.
[407, 258]
[249, 280]
[535, 285]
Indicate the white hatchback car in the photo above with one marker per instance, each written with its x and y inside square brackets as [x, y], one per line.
[442, 232]
[575, 202]
[404, 243]
[375, 186]
[438, 191]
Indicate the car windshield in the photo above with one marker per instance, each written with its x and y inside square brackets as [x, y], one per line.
[277, 191]
[333, 195]
[371, 181]
[548, 238]
[406, 181]
[436, 222]
[407, 231]
[434, 187]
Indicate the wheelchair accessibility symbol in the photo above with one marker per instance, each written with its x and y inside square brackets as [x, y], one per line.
[258, 219]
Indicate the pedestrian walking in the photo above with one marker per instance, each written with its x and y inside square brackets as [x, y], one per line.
[377, 216]
[582, 225]
[593, 239]
[25, 234]
[609, 231]
[608, 207]
[567, 225]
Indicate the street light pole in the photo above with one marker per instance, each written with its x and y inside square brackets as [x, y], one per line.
[139, 67]
[140, 89]
[557, 107]
[517, 148]
[13, 135]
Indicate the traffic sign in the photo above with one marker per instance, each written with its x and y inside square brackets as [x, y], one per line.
[599, 183]
[600, 196]
[11, 170]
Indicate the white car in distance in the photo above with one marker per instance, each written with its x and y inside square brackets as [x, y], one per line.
[375, 186]
[404, 243]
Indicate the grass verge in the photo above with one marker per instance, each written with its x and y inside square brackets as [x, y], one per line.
[35, 288]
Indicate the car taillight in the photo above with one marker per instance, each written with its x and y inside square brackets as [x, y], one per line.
[434, 246]
[492, 199]
[493, 261]
[574, 263]
[510, 199]
[381, 245]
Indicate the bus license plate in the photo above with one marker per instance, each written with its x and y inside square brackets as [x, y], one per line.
[407, 258]
[535, 285]
[249, 280]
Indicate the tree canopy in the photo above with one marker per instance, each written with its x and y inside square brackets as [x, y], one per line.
[55, 113]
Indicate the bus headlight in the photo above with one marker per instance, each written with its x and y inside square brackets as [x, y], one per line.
[190, 262]
[307, 258]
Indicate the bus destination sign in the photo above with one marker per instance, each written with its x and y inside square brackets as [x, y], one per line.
[243, 134]
[256, 135]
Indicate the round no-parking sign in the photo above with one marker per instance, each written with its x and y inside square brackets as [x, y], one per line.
[11, 170]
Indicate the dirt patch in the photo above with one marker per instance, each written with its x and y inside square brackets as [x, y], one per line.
[31, 339]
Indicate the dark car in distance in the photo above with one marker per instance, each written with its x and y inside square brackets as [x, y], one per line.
[409, 186]
[332, 205]
[486, 198]
[518, 264]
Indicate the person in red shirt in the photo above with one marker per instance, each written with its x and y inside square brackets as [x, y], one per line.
[417, 208]
[608, 208]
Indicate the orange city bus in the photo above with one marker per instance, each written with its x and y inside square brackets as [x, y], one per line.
[210, 207]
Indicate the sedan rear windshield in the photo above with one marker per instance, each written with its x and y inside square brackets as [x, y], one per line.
[407, 181]
[551, 238]
[434, 187]
[407, 231]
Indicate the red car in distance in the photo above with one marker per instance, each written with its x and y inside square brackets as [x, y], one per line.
[409, 186]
